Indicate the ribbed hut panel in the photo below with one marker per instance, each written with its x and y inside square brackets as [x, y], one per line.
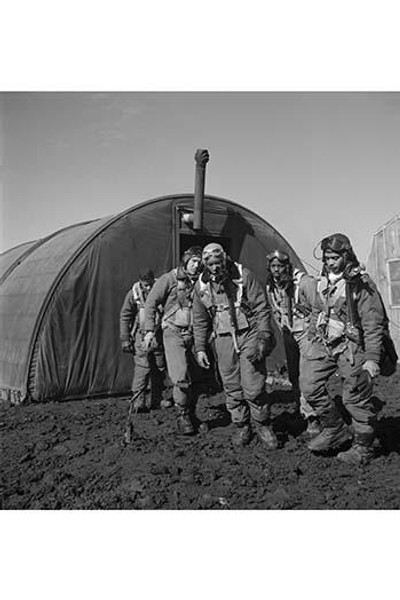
[395, 327]
[270, 239]
[251, 237]
[392, 239]
[79, 352]
[381, 275]
[62, 348]
[11, 257]
[383, 264]
[371, 260]
[392, 233]
[23, 295]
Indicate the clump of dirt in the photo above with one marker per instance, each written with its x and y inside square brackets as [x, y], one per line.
[70, 455]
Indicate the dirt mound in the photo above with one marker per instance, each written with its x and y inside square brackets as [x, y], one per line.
[69, 455]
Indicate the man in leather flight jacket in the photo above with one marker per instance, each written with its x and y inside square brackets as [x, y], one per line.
[346, 336]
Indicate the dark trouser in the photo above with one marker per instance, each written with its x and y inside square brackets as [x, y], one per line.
[317, 365]
[149, 367]
[244, 383]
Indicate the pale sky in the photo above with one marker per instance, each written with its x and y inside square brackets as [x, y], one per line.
[309, 163]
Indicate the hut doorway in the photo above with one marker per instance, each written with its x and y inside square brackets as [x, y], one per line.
[186, 241]
[185, 236]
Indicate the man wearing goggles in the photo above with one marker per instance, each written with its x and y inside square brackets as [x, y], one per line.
[292, 294]
[229, 301]
[346, 336]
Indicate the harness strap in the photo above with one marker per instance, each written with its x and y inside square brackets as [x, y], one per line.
[206, 289]
[182, 287]
[138, 293]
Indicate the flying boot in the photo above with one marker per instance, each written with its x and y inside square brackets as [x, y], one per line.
[242, 435]
[334, 433]
[166, 403]
[361, 452]
[260, 411]
[184, 421]
[313, 428]
[139, 403]
[266, 435]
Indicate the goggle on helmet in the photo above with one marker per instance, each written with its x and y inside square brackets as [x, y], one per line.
[213, 250]
[337, 242]
[281, 256]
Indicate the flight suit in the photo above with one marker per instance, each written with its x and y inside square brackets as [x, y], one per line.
[173, 291]
[293, 318]
[148, 366]
[337, 346]
[238, 315]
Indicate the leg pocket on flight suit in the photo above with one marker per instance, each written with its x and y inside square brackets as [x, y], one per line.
[313, 350]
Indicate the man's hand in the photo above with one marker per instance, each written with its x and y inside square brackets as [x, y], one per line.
[127, 347]
[269, 344]
[264, 347]
[372, 367]
[255, 355]
[202, 360]
[149, 340]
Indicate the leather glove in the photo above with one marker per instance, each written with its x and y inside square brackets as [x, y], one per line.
[372, 367]
[202, 360]
[152, 344]
[127, 347]
[269, 343]
[258, 352]
[364, 383]
[149, 340]
[265, 345]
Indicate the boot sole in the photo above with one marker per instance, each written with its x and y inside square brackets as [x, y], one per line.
[332, 449]
[187, 433]
[363, 460]
[240, 445]
[361, 463]
[268, 445]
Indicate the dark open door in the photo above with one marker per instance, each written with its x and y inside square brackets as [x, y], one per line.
[185, 236]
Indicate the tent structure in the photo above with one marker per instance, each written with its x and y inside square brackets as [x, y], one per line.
[383, 264]
[60, 297]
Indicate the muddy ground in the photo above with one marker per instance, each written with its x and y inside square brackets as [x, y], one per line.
[69, 455]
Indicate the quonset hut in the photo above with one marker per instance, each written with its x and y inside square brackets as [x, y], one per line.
[383, 264]
[60, 297]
